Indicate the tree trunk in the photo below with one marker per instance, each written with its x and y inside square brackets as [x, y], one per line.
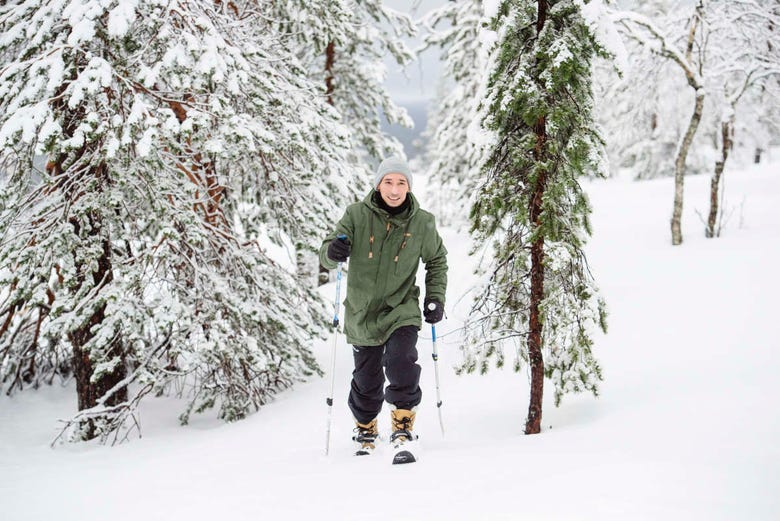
[330, 59]
[679, 168]
[89, 388]
[533, 424]
[712, 219]
[202, 172]
[685, 145]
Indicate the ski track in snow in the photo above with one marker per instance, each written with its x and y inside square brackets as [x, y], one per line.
[686, 426]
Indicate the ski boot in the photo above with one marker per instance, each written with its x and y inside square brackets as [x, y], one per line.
[365, 436]
[402, 421]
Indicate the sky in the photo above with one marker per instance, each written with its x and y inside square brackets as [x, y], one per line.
[418, 81]
[414, 86]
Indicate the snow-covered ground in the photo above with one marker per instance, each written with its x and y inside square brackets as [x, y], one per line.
[687, 425]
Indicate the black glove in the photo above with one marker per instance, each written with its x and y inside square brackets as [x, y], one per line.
[338, 249]
[433, 310]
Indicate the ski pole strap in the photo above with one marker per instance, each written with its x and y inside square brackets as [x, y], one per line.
[435, 356]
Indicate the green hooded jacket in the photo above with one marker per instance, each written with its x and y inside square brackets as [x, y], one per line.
[382, 294]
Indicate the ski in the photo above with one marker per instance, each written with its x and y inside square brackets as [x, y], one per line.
[403, 456]
[403, 442]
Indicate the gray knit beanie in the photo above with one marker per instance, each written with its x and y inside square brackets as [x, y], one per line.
[393, 165]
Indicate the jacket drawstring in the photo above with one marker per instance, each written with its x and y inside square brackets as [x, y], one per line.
[406, 235]
[371, 237]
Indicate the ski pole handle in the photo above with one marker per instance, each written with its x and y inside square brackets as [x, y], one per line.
[342, 238]
[338, 297]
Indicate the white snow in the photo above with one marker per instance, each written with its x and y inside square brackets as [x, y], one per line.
[25, 120]
[597, 16]
[81, 15]
[144, 145]
[122, 17]
[687, 425]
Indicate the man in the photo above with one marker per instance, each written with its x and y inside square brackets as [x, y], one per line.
[387, 234]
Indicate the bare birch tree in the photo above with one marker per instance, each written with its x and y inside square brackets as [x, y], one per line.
[745, 68]
[688, 55]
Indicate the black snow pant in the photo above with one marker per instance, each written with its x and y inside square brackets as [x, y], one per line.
[399, 358]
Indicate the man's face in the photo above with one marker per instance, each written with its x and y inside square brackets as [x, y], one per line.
[393, 189]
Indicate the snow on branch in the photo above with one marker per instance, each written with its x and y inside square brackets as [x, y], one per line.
[645, 32]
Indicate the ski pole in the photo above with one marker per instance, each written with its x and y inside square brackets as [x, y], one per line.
[435, 356]
[329, 399]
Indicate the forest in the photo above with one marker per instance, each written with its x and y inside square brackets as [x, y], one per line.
[156, 156]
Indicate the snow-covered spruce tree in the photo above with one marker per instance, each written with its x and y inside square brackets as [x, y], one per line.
[539, 295]
[174, 137]
[454, 150]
